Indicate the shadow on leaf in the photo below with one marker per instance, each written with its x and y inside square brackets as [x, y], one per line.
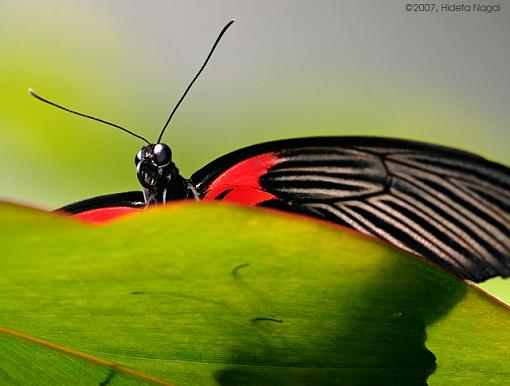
[373, 335]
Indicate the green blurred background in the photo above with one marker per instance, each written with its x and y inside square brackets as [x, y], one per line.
[285, 69]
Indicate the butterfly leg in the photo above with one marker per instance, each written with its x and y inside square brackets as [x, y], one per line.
[194, 193]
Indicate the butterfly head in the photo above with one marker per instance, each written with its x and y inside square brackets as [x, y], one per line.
[158, 175]
[152, 164]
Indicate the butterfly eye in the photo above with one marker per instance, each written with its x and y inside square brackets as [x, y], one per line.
[138, 157]
[162, 154]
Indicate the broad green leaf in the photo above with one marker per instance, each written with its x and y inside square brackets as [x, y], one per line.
[210, 293]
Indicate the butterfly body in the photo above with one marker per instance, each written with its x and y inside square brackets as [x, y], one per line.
[158, 175]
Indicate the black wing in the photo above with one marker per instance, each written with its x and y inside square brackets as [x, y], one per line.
[446, 205]
[127, 199]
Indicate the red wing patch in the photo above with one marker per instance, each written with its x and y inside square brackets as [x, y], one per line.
[104, 215]
[241, 182]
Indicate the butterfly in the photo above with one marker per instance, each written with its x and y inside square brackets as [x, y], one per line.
[446, 205]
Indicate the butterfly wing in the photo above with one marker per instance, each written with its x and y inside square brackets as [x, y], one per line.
[446, 205]
[104, 208]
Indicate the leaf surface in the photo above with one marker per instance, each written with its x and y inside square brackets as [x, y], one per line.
[210, 293]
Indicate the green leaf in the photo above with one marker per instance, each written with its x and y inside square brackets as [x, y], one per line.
[211, 293]
[29, 361]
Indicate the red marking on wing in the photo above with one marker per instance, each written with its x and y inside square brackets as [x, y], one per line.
[241, 182]
[104, 215]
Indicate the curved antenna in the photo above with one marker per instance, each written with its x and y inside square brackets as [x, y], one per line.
[196, 76]
[36, 96]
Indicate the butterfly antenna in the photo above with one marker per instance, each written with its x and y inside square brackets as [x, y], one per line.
[196, 76]
[35, 95]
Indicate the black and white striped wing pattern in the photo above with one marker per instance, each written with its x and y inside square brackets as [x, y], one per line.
[448, 206]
